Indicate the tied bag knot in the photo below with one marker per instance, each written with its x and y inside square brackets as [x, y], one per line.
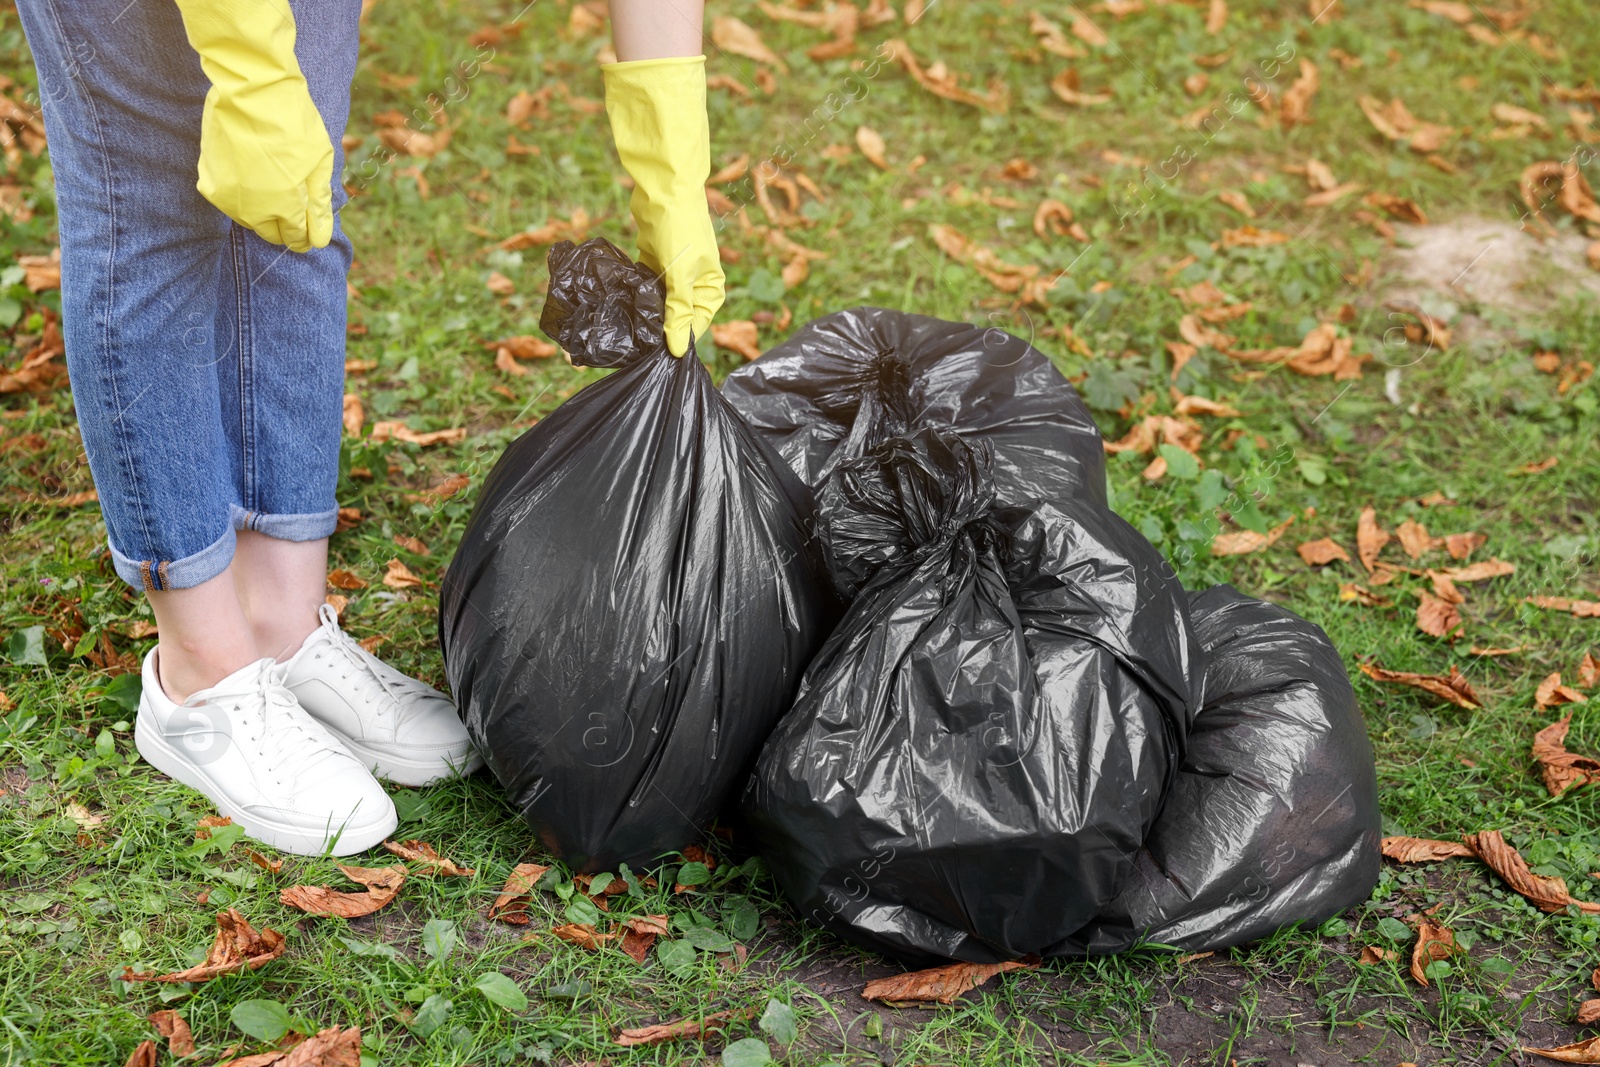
[604, 309]
[906, 501]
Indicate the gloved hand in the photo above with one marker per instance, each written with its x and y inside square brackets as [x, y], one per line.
[658, 120]
[265, 158]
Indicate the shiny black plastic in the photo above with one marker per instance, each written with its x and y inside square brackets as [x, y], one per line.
[1274, 817]
[847, 381]
[636, 594]
[977, 753]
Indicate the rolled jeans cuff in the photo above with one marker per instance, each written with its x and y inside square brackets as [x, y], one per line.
[312, 526]
[160, 575]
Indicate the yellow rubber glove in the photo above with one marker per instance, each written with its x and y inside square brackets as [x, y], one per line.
[658, 120]
[265, 158]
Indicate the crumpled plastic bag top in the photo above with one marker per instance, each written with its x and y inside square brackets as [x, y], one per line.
[848, 381]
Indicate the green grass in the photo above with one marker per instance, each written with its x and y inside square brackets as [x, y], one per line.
[74, 911]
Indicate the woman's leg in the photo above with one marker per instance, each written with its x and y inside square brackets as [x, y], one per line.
[122, 96]
[280, 586]
[141, 256]
[281, 318]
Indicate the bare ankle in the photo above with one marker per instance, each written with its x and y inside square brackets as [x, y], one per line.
[281, 640]
[183, 672]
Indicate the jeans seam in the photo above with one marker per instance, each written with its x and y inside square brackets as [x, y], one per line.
[103, 369]
[239, 249]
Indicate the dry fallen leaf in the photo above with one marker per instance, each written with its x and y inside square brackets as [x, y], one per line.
[1413, 537]
[1019, 170]
[1586, 1051]
[1295, 108]
[170, 1025]
[271, 866]
[511, 905]
[938, 80]
[383, 884]
[1588, 1013]
[1396, 123]
[1088, 32]
[1238, 201]
[1547, 894]
[1444, 587]
[1583, 609]
[1572, 194]
[1216, 16]
[1562, 770]
[739, 335]
[1435, 616]
[1589, 671]
[1066, 87]
[354, 415]
[1243, 542]
[143, 1055]
[1052, 217]
[1028, 282]
[424, 853]
[1454, 10]
[1433, 943]
[399, 431]
[583, 935]
[1539, 467]
[399, 576]
[1323, 550]
[1551, 693]
[1400, 208]
[332, 1047]
[1375, 954]
[940, 984]
[574, 228]
[1052, 38]
[443, 489]
[343, 579]
[872, 147]
[703, 1027]
[40, 273]
[1480, 571]
[1422, 849]
[639, 934]
[237, 947]
[733, 35]
[413, 544]
[1453, 688]
[1199, 405]
[1370, 538]
[1253, 237]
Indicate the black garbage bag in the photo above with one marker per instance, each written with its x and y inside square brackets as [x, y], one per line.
[637, 592]
[1274, 817]
[847, 381]
[979, 749]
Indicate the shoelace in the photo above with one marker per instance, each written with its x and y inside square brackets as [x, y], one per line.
[365, 667]
[284, 725]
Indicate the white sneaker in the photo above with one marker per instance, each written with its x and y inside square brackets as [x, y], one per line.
[249, 746]
[403, 730]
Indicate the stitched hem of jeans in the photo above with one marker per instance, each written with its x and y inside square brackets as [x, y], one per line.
[309, 527]
[160, 575]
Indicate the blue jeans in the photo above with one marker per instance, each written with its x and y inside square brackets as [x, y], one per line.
[207, 365]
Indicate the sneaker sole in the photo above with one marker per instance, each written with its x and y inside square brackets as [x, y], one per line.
[412, 773]
[154, 750]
